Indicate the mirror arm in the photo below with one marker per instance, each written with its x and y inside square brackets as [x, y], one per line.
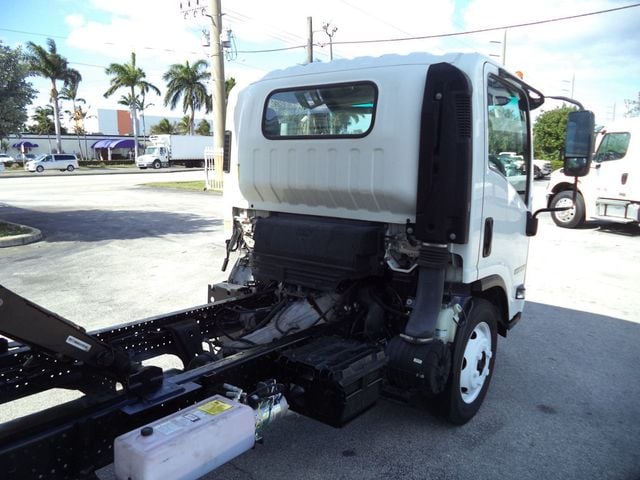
[557, 209]
[566, 99]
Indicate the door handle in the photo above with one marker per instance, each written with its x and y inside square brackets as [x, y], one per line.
[488, 237]
[623, 179]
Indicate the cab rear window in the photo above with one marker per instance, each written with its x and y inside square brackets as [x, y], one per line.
[326, 111]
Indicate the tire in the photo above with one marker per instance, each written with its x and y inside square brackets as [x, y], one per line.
[571, 218]
[70, 168]
[537, 173]
[39, 169]
[474, 356]
[157, 165]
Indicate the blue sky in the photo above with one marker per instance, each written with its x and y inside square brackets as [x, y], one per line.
[599, 55]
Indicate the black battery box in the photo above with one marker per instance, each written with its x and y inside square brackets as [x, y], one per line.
[333, 379]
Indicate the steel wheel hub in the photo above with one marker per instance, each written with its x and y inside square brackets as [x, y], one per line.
[475, 363]
[566, 215]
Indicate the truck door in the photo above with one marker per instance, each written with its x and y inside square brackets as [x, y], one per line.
[507, 181]
[613, 175]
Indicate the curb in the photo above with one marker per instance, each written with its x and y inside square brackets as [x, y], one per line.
[23, 239]
[98, 171]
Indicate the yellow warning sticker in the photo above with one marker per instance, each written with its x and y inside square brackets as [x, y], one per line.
[214, 407]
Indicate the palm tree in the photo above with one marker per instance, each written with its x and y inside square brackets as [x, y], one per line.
[53, 66]
[128, 75]
[183, 127]
[164, 126]
[70, 92]
[44, 123]
[203, 128]
[188, 82]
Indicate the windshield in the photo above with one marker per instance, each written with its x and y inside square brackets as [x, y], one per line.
[151, 150]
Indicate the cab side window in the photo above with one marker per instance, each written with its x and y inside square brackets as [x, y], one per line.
[613, 147]
[508, 145]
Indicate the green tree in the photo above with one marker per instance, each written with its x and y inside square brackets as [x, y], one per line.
[132, 77]
[49, 64]
[43, 121]
[183, 127]
[15, 92]
[203, 128]
[548, 134]
[188, 82]
[229, 83]
[633, 107]
[164, 126]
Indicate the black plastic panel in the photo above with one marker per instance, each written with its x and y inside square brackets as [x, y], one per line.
[337, 378]
[316, 252]
[444, 173]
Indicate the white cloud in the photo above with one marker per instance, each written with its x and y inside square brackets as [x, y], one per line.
[74, 21]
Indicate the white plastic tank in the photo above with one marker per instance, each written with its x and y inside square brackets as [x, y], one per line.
[186, 444]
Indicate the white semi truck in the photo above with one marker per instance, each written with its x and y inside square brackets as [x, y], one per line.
[380, 248]
[167, 150]
[611, 190]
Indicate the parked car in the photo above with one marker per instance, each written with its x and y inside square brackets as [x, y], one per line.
[5, 158]
[541, 168]
[58, 161]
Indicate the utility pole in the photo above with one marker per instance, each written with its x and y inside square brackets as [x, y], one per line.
[325, 27]
[218, 92]
[310, 40]
[504, 48]
[196, 7]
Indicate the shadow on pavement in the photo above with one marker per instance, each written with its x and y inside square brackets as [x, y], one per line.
[625, 229]
[96, 225]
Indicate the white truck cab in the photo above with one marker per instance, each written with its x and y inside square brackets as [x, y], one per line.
[611, 190]
[393, 169]
[155, 155]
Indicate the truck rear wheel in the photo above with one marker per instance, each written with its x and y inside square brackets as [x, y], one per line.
[572, 218]
[474, 355]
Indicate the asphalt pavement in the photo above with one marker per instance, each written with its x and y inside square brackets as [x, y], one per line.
[563, 403]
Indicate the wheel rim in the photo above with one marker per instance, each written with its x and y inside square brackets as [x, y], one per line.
[475, 363]
[566, 215]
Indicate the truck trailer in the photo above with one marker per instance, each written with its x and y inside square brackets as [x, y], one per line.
[375, 248]
[168, 150]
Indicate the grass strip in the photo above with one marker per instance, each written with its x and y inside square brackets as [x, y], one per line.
[9, 229]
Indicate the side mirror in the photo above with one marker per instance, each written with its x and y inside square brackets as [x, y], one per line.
[578, 145]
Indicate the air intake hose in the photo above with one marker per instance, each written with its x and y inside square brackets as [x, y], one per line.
[432, 263]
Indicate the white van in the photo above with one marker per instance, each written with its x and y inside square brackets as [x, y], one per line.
[57, 161]
[611, 191]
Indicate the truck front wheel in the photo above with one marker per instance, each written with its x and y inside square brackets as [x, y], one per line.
[157, 165]
[574, 216]
[474, 354]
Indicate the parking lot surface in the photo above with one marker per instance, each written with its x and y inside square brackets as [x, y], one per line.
[563, 403]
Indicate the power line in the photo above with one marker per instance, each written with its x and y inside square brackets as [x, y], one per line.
[354, 42]
[491, 29]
